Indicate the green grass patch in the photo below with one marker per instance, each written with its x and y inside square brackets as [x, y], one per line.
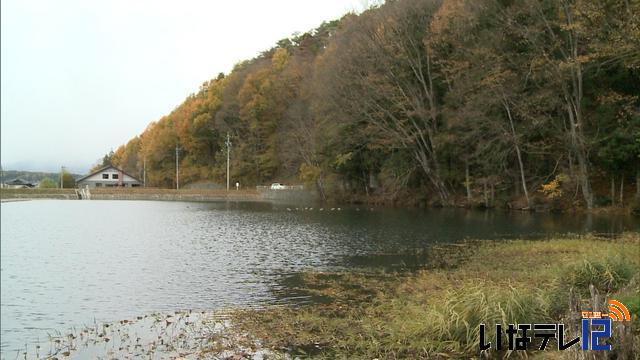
[606, 274]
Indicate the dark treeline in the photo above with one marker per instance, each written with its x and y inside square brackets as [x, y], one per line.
[455, 101]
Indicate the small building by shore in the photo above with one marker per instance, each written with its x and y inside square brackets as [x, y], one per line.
[108, 176]
[18, 184]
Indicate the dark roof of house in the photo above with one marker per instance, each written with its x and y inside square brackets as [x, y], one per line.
[105, 168]
[19, 182]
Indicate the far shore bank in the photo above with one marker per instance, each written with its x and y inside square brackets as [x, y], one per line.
[267, 195]
[133, 194]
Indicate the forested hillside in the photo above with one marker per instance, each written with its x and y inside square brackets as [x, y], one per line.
[456, 101]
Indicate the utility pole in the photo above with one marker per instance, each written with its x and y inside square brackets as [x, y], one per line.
[228, 143]
[177, 167]
[144, 172]
[61, 177]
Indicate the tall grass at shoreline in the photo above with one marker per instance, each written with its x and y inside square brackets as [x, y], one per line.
[437, 312]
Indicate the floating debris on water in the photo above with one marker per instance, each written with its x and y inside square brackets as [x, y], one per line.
[180, 335]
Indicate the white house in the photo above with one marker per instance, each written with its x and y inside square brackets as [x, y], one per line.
[108, 176]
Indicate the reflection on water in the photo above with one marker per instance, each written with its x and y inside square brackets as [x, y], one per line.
[68, 263]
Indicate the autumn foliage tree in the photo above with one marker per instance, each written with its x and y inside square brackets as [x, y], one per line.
[433, 100]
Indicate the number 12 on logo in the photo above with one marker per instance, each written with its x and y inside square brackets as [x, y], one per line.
[590, 341]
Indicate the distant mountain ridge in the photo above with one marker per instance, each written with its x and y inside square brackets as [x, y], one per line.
[31, 176]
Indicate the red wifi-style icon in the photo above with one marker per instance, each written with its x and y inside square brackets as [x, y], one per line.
[617, 311]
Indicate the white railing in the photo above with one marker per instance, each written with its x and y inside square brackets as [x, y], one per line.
[84, 193]
[283, 187]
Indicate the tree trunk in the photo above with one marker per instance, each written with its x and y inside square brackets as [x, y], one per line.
[622, 191]
[577, 138]
[320, 187]
[484, 191]
[571, 87]
[493, 195]
[517, 146]
[442, 190]
[584, 175]
[613, 191]
[573, 98]
[366, 183]
[433, 176]
[572, 171]
[467, 181]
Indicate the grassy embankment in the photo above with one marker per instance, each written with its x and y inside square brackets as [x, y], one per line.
[436, 312]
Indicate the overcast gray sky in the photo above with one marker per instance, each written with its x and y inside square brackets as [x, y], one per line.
[80, 77]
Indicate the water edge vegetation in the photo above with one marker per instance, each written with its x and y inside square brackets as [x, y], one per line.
[434, 312]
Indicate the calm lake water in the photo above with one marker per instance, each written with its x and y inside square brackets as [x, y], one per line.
[70, 263]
